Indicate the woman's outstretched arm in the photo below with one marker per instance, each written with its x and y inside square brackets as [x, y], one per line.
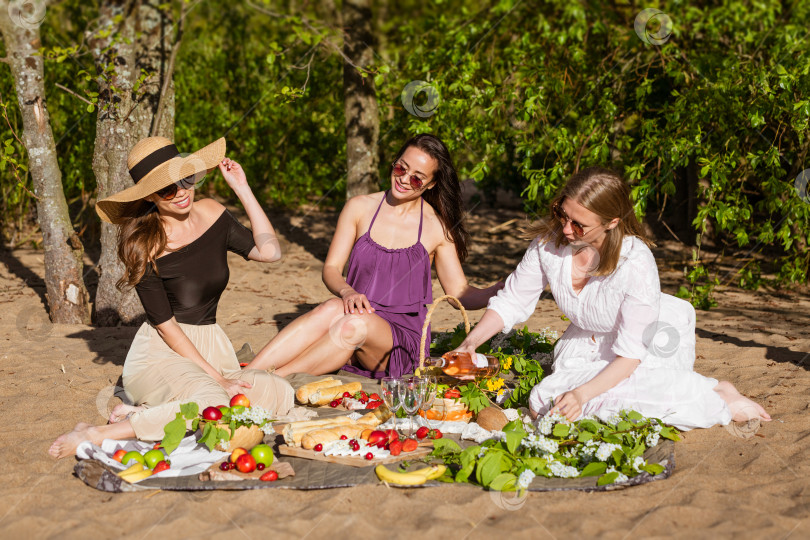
[454, 282]
[268, 248]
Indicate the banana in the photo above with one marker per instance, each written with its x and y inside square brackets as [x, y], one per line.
[133, 469]
[412, 478]
[137, 476]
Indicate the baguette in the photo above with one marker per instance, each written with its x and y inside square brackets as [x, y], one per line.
[303, 393]
[294, 431]
[321, 436]
[325, 395]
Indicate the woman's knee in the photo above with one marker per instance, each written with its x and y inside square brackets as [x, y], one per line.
[268, 391]
[330, 309]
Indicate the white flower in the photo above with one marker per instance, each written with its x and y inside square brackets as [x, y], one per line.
[560, 470]
[525, 479]
[606, 450]
[652, 439]
[539, 442]
[483, 451]
[613, 419]
[225, 445]
[638, 463]
[620, 478]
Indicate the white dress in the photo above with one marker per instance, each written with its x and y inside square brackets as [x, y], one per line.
[622, 314]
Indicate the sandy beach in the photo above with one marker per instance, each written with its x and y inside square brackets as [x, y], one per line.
[724, 485]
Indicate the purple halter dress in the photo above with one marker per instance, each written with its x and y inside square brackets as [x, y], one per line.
[398, 286]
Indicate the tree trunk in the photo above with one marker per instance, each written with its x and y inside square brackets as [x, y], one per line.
[359, 100]
[143, 40]
[67, 296]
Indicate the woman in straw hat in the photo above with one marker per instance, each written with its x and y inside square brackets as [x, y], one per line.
[175, 255]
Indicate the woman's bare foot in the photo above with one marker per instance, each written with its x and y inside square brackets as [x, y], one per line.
[122, 411]
[742, 408]
[65, 445]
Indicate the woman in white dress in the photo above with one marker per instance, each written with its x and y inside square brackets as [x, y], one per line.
[629, 346]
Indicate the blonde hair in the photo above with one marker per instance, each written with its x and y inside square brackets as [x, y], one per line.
[605, 193]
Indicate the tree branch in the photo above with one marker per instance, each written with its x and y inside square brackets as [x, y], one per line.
[169, 70]
[71, 92]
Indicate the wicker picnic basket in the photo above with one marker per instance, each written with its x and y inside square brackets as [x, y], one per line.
[443, 409]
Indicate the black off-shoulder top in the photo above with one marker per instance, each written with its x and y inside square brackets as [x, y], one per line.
[190, 281]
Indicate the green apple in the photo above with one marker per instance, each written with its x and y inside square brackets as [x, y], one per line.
[237, 409]
[262, 454]
[153, 457]
[130, 458]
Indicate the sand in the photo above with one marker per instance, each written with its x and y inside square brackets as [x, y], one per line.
[723, 485]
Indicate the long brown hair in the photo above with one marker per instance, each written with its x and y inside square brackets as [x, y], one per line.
[605, 193]
[141, 238]
[445, 197]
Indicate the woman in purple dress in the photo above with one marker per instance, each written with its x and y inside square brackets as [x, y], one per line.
[390, 240]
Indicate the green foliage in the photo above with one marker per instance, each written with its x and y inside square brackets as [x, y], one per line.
[212, 431]
[613, 451]
[525, 94]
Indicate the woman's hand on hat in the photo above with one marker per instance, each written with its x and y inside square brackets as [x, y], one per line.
[233, 173]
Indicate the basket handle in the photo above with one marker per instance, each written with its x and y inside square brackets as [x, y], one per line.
[432, 307]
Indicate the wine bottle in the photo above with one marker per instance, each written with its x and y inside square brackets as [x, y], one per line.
[464, 365]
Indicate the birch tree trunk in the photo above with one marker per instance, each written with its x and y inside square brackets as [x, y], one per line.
[67, 296]
[359, 100]
[142, 40]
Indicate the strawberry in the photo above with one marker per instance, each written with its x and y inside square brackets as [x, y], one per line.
[375, 397]
[435, 434]
[453, 393]
[395, 447]
[392, 435]
[373, 404]
[422, 432]
[361, 396]
[269, 476]
[409, 445]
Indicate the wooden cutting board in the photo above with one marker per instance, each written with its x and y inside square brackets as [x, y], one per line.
[297, 451]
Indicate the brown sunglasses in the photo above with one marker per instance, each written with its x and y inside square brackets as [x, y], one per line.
[559, 213]
[170, 192]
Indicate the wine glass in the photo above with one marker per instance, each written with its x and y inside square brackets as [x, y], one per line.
[412, 391]
[392, 394]
[428, 396]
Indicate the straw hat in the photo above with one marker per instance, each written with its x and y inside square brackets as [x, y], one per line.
[155, 163]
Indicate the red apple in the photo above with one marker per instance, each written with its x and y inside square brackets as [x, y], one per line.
[237, 453]
[119, 455]
[212, 413]
[240, 399]
[245, 463]
[378, 437]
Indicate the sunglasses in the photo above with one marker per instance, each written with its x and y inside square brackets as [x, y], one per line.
[400, 170]
[559, 213]
[170, 192]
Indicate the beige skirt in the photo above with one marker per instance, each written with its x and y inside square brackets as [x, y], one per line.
[160, 380]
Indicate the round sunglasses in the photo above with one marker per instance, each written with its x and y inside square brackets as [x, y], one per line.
[559, 213]
[400, 170]
[170, 192]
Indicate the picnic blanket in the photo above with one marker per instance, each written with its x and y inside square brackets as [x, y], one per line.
[96, 469]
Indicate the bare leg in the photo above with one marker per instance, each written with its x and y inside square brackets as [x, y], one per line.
[65, 445]
[742, 408]
[298, 336]
[122, 411]
[367, 336]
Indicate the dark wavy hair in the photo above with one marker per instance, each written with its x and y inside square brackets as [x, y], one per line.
[445, 197]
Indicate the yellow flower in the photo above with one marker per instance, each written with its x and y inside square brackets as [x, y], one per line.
[507, 363]
[500, 392]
